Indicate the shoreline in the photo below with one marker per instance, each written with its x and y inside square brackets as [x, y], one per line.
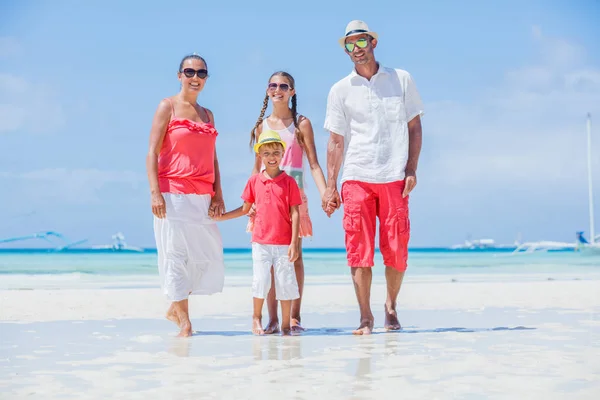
[92, 303]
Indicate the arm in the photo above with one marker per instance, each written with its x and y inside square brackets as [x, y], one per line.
[293, 249]
[337, 124]
[308, 137]
[238, 212]
[157, 135]
[335, 153]
[414, 111]
[415, 139]
[217, 205]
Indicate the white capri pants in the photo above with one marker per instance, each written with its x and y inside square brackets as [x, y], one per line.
[189, 246]
[263, 257]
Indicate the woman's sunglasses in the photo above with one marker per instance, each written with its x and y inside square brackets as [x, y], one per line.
[273, 87]
[360, 43]
[190, 72]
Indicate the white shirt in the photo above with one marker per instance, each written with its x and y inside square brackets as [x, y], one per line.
[373, 117]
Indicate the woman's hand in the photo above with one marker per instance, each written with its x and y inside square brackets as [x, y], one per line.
[217, 207]
[159, 207]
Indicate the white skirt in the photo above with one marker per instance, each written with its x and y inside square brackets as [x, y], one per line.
[189, 246]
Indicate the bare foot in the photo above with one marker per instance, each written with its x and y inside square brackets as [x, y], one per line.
[286, 332]
[186, 329]
[296, 327]
[272, 327]
[172, 315]
[391, 320]
[365, 328]
[257, 326]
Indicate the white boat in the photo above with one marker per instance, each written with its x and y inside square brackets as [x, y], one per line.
[581, 244]
[544, 245]
[593, 246]
[118, 244]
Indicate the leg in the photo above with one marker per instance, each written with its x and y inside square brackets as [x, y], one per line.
[297, 304]
[286, 285]
[393, 278]
[262, 260]
[257, 316]
[181, 309]
[394, 234]
[273, 325]
[172, 315]
[286, 306]
[362, 278]
[359, 222]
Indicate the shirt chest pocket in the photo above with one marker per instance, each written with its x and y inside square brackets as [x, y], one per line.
[394, 109]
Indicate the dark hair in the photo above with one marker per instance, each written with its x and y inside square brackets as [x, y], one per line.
[192, 56]
[294, 110]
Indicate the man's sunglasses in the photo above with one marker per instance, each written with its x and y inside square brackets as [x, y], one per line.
[360, 43]
[190, 72]
[273, 87]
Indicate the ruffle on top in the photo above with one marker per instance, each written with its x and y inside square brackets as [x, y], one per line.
[203, 128]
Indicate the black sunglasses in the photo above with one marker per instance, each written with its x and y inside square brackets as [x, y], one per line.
[190, 72]
[283, 86]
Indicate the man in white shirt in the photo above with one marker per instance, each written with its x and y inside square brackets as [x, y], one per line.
[374, 120]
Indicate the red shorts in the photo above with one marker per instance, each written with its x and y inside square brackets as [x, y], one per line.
[363, 202]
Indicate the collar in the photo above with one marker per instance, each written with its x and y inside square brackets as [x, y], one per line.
[381, 70]
[279, 177]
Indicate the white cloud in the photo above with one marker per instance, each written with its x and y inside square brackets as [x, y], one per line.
[526, 130]
[28, 106]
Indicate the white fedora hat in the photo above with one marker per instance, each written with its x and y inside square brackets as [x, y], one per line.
[354, 28]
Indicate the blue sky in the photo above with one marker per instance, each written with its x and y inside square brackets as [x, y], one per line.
[506, 87]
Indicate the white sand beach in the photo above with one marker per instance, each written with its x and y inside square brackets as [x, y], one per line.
[537, 339]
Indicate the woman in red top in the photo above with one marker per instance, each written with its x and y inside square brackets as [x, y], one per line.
[185, 186]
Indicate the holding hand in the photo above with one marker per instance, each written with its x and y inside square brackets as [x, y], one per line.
[159, 207]
[217, 207]
[331, 200]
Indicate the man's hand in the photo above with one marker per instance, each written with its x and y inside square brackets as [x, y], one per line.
[410, 181]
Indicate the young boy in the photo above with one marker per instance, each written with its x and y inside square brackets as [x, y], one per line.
[276, 197]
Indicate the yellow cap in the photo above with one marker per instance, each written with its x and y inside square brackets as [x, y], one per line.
[268, 137]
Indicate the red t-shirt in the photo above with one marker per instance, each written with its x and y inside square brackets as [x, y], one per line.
[272, 200]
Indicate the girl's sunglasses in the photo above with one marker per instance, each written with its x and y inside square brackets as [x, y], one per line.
[273, 87]
[190, 72]
[360, 43]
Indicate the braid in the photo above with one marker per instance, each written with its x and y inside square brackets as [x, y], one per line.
[259, 120]
[295, 116]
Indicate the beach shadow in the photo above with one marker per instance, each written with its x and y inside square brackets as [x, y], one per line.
[222, 333]
[348, 331]
[379, 331]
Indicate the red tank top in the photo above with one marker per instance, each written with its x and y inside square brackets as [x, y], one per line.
[186, 163]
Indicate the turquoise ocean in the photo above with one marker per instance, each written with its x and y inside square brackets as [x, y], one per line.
[24, 268]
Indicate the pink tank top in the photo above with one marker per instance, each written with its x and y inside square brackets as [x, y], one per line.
[293, 158]
[187, 157]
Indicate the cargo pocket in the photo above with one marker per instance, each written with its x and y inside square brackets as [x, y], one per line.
[351, 219]
[401, 220]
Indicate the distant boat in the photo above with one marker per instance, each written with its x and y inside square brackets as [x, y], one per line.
[593, 246]
[544, 245]
[118, 244]
[46, 236]
[581, 244]
[482, 244]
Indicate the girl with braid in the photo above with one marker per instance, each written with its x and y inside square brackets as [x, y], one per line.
[297, 133]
